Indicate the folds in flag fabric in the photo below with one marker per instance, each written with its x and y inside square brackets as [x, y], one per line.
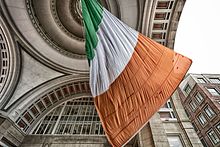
[131, 76]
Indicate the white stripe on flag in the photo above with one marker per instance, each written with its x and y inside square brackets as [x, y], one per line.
[116, 43]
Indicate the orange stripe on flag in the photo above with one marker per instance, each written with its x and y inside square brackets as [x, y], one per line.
[149, 79]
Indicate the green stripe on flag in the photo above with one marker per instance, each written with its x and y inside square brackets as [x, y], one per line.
[92, 17]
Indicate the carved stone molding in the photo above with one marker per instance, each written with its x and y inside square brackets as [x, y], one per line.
[9, 63]
[38, 102]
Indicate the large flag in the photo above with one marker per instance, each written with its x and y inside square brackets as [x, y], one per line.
[131, 76]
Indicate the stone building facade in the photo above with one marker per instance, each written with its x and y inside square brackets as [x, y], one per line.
[45, 98]
[200, 95]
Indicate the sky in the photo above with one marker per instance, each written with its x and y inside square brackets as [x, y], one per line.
[198, 35]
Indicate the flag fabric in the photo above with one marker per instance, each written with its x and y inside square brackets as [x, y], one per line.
[131, 76]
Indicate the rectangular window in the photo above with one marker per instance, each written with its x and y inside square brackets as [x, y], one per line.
[201, 80]
[77, 87]
[175, 141]
[199, 98]
[158, 26]
[83, 86]
[1, 38]
[71, 89]
[4, 142]
[22, 124]
[5, 63]
[28, 117]
[202, 119]
[160, 16]
[4, 54]
[193, 105]
[59, 93]
[41, 106]
[65, 91]
[1, 80]
[210, 113]
[4, 71]
[34, 111]
[169, 104]
[165, 115]
[213, 91]
[218, 128]
[53, 97]
[187, 89]
[215, 80]
[47, 101]
[213, 137]
[163, 5]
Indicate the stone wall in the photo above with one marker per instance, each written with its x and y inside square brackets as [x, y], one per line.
[10, 134]
[62, 140]
[66, 141]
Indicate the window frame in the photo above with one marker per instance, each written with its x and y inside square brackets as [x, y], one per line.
[187, 89]
[214, 93]
[168, 110]
[197, 96]
[194, 104]
[72, 117]
[200, 122]
[201, 80]
[176, 135]
[210, 138]
[218, 129]
[163, 4]
[211, 111]
[214, 80]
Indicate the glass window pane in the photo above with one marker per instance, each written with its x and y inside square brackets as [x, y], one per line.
[22, 124]
[202, 119]
[174, 141]
[28, 117]
[210, 113]
[41, 106]
[218, 127]
[215, 80]
[187, 89]
[199, 98]
[213, 91]
[193, 105]
[201, 80]
[34, 111]
[213, 137]
[73, 117]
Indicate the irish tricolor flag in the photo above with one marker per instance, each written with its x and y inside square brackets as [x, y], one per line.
[131, 76]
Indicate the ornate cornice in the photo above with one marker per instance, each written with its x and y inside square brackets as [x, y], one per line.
[9, 63]
[66, 15]
[160, 20]
[76, 12]
[46, 97]
[44, 35]
[73, 4]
